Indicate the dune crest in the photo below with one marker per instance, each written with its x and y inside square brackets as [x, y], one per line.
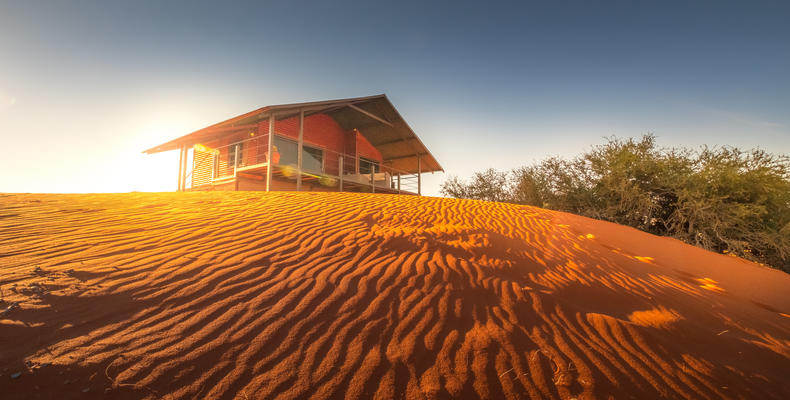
[341, 295]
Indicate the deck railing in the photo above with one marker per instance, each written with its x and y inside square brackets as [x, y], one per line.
[329, 168]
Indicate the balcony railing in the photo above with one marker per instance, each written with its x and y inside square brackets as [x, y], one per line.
[327, 167]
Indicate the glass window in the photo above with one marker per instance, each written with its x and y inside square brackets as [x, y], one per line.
[312, 158]
[367, 165]
[287, 149]
[232, 161]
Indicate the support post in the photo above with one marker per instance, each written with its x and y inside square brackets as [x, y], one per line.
[180, 167]
[340, 168]
[300, 144]
[398, 182]
[214, 163]
[269, 146]
[184, 174]
[356, 153]
[372, 178]
[235, 165]
[235, 158]
[419, 177]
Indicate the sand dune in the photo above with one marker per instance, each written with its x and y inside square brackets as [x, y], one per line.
[336, 295]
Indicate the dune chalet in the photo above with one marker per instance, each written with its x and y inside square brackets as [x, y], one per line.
[354, 145]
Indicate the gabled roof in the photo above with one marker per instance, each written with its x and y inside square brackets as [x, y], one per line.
[374, 116]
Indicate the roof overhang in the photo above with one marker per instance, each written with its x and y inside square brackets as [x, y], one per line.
[375, 117]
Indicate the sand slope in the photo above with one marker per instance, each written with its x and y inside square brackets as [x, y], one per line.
[285, 295]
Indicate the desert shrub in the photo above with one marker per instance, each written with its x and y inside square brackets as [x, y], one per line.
[490, 185]
[722, 199]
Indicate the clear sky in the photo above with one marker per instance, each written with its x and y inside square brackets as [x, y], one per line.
[85, 87]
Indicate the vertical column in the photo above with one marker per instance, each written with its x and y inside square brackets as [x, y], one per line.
[269, 147]
[340, 168]
[372, 178]
[398, 182]
[184, 174]
[180, 167]
[419, 176]
[300, 144]
[356, 153]
[235, 158]
[214, 157]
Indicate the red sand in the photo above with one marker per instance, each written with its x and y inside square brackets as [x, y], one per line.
[285, 295]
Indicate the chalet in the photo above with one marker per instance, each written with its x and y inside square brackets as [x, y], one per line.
[359, 144]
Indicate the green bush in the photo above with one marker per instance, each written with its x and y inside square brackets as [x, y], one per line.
[723, 199]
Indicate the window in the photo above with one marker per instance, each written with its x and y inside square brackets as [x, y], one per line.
[312, 158]
[232, 161]
[287, 149]
[366, 166]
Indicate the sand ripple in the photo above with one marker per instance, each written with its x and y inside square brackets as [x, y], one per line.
[338, 295]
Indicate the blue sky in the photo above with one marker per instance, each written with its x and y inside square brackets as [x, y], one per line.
[85, 87]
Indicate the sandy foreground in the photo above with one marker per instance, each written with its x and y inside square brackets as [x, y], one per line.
[251, 295]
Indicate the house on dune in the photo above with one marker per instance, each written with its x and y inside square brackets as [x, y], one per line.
[355, 145]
